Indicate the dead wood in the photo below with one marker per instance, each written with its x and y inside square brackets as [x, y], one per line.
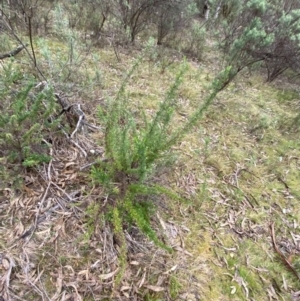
[13, 52]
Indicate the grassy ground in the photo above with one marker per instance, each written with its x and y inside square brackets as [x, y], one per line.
[238, 169]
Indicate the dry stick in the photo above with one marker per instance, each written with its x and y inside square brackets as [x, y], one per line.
[63, 191]
[80, 119]
[94, 127]
[66, 108]
[75, 143]
[33, 227]
[37, 221]
[13, 52]
[87, 165]
[282, 257]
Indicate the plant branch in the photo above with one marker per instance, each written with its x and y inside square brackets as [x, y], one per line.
[31, 43]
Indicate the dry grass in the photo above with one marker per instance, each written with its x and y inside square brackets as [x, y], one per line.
[239, 169]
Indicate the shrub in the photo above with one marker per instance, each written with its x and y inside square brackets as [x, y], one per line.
[262, 31]
[132, 155]
[24, 123]
[135, 151]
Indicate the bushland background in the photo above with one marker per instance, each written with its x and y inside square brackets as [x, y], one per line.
[149, 150]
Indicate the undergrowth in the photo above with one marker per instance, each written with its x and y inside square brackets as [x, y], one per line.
[243, 176]
[24, 122]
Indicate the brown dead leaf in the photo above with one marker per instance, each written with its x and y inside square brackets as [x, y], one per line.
[172, 269]
[126, 295]
[85, 273]
[163, 225]
[69, 164]
[155, 288]
[109, 275]
[140, 284]
[125, 288]
[5, 263]
[73, 176]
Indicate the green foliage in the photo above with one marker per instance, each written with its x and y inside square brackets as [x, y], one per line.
[23, 123]
[118, 231]
[140, 217]
[257, 5]
[220, 82]
[174, 287]
[134, 151]
[92, 214]
[65, 56]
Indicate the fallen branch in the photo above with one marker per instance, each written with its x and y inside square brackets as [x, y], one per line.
[285, 260]
[13, 52]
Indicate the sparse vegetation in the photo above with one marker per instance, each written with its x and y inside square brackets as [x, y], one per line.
[129, 171]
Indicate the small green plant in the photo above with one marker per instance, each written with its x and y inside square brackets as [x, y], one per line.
[23, 124]
[93, 214]
[174, 287]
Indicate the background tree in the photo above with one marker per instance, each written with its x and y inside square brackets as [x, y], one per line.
[265, 31]
[133, 15]
[23, 14]
[168, 18]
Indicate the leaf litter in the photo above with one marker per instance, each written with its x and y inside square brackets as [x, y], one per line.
[45, 254]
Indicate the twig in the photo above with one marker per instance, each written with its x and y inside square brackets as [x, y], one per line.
[283, 182]
[61, 190]
[5, 278]
[28, 277]
[111, 42]
[91, 125]
[87, 165]
[75, 143]
[282, 257]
